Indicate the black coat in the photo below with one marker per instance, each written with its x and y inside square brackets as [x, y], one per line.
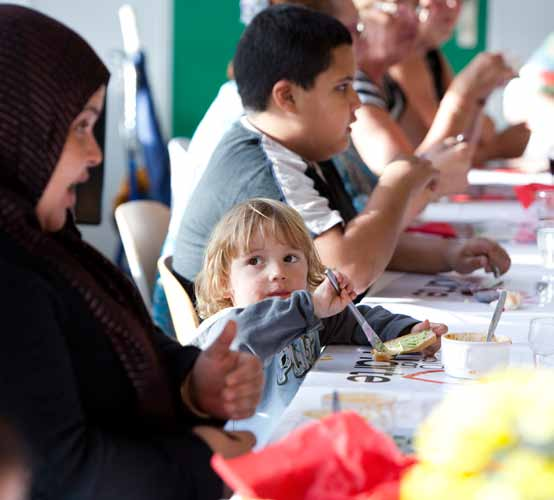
[64, 387]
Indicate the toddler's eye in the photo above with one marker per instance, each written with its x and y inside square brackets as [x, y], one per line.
[254, 261]
[291, 258]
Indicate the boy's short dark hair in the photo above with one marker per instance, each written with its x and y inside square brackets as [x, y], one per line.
[284, 42]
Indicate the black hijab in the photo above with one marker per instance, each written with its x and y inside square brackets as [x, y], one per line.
[48, 73]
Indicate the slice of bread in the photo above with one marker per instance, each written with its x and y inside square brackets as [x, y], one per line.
[413, 342]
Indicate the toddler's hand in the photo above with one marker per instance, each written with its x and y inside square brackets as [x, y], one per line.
[439, 329]
[327, 302]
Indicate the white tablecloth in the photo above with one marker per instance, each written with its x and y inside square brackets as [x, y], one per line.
[413, 384]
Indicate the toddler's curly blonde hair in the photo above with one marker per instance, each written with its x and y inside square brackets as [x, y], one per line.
[232, 237]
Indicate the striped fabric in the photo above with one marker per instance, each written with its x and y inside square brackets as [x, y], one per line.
[389, 98]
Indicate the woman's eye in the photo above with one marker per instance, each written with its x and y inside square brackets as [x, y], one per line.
[291, 258]
[343, 87]
[254, 261]
[82, 126]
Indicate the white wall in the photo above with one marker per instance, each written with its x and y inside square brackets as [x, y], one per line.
[517, 28]
[97, 22]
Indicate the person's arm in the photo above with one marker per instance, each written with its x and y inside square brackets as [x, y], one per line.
[75, 457]
[363, 247]
[430, 255]
[344, 329]
[266, 327]
[378, 138]
[465, 97]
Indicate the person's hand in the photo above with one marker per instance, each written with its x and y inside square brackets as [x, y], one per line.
[327, 302]
[439, 329]
[453, 161]
[415, 172]
[227, 444]
[227, 384]
[477, 253]
[481, 76]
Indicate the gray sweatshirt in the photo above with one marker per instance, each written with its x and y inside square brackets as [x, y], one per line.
[287, 336]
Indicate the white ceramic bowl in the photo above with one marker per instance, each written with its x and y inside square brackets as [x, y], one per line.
[468, 355]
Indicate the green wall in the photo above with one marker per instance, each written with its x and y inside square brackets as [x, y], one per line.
[458, 56]
[206, 34]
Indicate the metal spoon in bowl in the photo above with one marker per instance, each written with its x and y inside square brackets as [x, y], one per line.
[496, 316]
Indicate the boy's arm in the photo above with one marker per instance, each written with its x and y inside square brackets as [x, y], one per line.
[421, 254]
[344, 329]
[266, 327]
[363, 247]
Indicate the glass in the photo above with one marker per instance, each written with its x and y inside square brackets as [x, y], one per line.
[545, 244]
[541, 341]
[545, 206]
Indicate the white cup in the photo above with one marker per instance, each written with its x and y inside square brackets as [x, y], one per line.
[469, 355]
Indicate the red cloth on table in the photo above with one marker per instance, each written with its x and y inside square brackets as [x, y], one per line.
[526, 194]
[340, 457]
[437, 228]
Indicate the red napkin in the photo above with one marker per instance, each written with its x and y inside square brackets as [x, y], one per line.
[437, 228]
[340, 457]
[526, 194]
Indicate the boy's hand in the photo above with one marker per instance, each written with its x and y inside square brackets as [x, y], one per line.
[439, 329]
[327, 302]
[453, 161]
[413, 171]
[477, 253]
[227, 384]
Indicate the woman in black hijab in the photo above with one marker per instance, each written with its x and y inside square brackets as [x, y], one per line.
[110, 407]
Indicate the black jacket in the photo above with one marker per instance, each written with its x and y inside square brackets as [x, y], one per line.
[63, 386]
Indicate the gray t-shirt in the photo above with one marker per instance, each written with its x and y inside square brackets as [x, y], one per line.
[249, 164]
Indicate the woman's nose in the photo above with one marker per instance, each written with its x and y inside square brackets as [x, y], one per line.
[94, 153]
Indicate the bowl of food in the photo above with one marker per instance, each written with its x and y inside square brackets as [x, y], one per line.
[469, 355]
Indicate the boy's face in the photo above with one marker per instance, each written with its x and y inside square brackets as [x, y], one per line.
[270, 269]
[325, 111]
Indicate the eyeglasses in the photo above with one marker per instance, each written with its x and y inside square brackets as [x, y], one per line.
[424, 12]
[392, 7]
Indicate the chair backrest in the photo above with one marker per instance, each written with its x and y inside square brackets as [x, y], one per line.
[142, 226]
[183, 314]
[182, 176]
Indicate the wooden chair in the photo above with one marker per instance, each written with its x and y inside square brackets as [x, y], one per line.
[143, 227]
[183, 314]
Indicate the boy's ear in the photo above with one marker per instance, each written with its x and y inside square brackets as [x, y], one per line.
[283, 95]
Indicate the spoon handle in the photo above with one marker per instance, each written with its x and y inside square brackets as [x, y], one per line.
[496, 316]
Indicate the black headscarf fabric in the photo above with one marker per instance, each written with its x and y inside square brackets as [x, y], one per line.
[48, 73]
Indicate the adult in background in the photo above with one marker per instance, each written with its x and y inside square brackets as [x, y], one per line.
[111, 408]
[425, 77]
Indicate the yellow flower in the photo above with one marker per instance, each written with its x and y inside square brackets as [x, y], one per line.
[428, 482]
[490, 441]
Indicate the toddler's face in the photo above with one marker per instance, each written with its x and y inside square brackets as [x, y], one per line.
[269, 269]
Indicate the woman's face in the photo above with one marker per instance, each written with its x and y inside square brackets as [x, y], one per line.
[437, 20]
[80, 152]
[390, 31]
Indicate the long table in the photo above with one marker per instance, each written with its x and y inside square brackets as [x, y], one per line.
[397, 395]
